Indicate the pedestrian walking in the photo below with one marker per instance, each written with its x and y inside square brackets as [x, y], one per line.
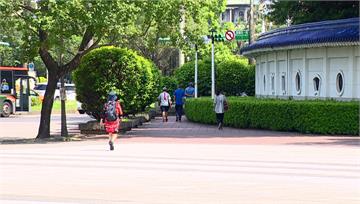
[179, 96]
[190, 91]
[165, 104]
[221, 105]
[112, 117]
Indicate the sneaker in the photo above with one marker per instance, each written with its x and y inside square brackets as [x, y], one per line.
[111, 145]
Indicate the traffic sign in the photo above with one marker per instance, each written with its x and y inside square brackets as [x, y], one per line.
[229, 35]
[31, 66]
[242, 35]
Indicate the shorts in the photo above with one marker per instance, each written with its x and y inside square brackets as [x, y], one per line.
[164, 108]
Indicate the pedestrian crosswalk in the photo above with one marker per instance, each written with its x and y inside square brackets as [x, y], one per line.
[88, 172]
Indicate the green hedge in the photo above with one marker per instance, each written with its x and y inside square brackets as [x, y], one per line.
[233, 75]
[322, 117]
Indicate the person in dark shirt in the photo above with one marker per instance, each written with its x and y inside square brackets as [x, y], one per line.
[179, 95]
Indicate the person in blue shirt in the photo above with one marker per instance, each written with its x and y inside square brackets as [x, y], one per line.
[190, 91]
[179, 95]
[4, 86]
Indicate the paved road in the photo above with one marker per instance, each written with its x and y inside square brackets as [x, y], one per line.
[26, 126]
[181, 163]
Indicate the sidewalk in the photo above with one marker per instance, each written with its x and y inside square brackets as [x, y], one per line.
[188, 132]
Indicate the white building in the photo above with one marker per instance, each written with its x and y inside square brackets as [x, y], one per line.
[309, 61]
[236, 10]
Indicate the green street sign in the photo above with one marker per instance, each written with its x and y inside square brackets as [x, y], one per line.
[163, 40]
[242, 35]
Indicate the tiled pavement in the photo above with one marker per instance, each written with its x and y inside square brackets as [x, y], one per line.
[188, 132]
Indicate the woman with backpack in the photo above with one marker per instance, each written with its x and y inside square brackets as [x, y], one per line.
[111, 119]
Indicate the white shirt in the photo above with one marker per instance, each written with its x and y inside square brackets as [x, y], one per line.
[219, 103]
[164, 98]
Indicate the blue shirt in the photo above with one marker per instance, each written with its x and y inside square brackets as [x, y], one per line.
[190, 92]
[179, 95]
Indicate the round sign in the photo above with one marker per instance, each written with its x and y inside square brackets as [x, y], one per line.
[31, 66]
[229, 35]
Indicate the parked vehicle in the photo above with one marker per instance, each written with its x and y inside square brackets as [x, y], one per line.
[40, 88]
[80, 109]
[70, 91]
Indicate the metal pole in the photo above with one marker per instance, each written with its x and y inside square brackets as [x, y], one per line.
[212, 69]
[251, 29]
[196, 71]
[64, 131]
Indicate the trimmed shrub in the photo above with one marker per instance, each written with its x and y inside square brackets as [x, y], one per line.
[185, 74]
[233, 75]
[322, 117]
[134, 78]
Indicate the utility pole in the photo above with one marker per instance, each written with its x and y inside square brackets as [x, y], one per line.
[251, 29]
[196, 71]
[182, 27]
[212, 64]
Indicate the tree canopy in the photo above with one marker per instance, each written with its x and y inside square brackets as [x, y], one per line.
[61, 32]
[311, 11]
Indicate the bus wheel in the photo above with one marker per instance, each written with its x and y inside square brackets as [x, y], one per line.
[6, 109]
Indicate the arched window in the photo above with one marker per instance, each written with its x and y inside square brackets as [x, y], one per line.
[340, 83]
[298, 82]
[317, 84]
[283, 83]
[273, 83]
[264, 83]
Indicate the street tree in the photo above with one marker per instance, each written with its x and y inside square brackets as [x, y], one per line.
[311, 11]
[53, 27]
[161, 20]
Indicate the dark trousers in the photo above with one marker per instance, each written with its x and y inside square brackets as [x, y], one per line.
[220, 118]
[179, 111]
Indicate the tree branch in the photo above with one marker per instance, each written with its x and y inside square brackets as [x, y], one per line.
[28, 8]
[87, 37]
[74, 63]
[48, 60]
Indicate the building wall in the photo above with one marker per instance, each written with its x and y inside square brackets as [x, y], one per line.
[309, 73]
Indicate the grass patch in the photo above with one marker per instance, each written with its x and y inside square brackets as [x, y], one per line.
[71, 107]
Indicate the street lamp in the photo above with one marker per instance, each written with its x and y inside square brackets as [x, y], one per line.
[212, 64]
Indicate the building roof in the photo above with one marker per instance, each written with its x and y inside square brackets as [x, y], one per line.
[318, 34]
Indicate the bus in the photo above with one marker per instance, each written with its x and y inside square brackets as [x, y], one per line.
[14, 90]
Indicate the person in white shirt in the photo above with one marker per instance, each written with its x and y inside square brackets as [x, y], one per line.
[220, 103]
[165, 103]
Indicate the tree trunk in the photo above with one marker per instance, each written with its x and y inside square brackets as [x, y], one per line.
[47, 104]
